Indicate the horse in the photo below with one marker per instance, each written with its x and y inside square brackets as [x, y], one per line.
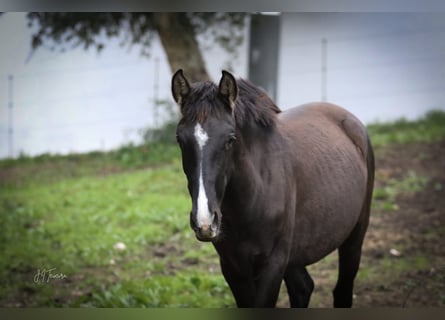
[274, 191]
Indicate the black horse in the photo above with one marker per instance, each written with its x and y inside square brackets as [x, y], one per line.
[274, 191]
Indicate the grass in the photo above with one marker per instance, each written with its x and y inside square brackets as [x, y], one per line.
[185, 290]
[385, 197]
[429, 128]
[69, 212]
[71, 223]
[48, 168]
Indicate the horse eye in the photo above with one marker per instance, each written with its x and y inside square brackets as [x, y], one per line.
[230, 141]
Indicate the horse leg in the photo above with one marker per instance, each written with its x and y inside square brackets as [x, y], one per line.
[268, 273]
[251, 291]
[267, 288]
[242, 287]
[299, 286]
[349, 254]
[258, 286]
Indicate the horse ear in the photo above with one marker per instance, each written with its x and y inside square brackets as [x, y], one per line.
[180, 87]
[228, 87]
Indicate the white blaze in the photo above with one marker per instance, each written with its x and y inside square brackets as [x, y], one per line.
[203, 214]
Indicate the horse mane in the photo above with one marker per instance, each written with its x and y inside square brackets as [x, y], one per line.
[252, 106]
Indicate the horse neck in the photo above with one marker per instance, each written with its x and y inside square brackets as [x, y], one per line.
[258, 152]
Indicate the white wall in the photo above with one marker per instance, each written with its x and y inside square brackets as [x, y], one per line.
[379, 66]
[79, 100]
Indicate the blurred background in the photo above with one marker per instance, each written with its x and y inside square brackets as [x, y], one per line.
[93, 83]
[94, 208]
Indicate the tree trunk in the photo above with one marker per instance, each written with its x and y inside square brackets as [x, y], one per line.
[178, 39]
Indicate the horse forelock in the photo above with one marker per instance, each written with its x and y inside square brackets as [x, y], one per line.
[201, 103]
[252, 106]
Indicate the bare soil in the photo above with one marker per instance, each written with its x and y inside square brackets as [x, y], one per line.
[412, 275]
[417, 227]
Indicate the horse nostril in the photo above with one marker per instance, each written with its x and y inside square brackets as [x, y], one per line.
[215, 220]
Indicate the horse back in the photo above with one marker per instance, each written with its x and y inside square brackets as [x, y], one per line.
[327, 118]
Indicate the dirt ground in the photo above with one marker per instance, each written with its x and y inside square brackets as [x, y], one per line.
[414, 274]
[418, 226]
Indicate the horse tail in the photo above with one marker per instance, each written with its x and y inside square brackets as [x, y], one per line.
[370, 166]
[370, 162]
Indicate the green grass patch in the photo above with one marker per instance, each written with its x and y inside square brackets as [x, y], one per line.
[52, 168]
[74, 224]
[385, 197]
[388, 268]
[185, 290]
[429, 128]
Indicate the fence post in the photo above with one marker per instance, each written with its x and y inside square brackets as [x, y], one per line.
[156, 93]
[10, 116]
[324, 69]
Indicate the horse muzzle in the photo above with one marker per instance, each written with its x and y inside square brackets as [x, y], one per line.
[206, 232]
